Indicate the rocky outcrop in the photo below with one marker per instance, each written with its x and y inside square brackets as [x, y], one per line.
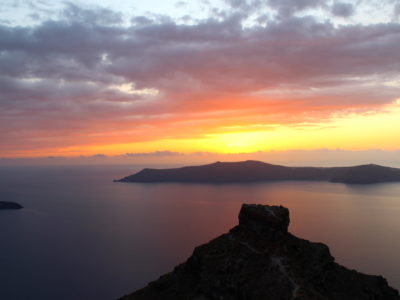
[9, 205]
[256, 171]
[259, 259]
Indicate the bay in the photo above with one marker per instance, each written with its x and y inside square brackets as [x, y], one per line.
[82, 236]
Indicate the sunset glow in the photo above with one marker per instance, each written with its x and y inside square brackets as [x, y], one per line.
[354, 132]
[236, 77]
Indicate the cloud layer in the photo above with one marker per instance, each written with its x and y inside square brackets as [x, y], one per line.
[89, 78]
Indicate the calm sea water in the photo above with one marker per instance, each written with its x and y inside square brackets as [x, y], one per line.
[81, 236]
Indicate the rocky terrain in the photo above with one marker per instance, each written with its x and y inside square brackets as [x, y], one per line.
[259, 259]
[9, 205]
[256, 171]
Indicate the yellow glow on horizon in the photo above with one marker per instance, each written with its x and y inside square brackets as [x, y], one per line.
[380, 130]
[354, 132]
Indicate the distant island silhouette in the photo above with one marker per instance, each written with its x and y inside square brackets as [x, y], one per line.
[257, 171]
[9, 205]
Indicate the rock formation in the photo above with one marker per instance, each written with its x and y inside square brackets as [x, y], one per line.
[259, 259]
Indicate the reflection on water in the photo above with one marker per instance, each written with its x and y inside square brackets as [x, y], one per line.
[81, 236]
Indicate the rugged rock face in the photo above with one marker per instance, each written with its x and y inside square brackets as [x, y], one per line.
[9, 205]
[259, 259]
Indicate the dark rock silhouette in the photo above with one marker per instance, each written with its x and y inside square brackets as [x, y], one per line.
[256, 171]
[259, 259]
[9, 205]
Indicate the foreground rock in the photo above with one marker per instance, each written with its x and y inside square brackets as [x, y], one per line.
[9, 205]
[257, 171]
[259, 259]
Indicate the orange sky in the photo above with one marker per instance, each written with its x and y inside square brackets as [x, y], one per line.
[352, 131]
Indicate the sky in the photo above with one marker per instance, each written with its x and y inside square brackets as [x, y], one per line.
[151, 78]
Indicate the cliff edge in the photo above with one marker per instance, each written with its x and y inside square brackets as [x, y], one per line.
[259, 259]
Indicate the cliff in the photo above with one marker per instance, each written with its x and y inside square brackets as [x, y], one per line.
[259, 259]
[256, 171]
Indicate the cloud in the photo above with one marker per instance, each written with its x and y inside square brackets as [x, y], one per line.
[93, 15]
[396, 12]
[284, 8]
[87, 78]
[287, 8]
[245, 5]
[344, 10]
[99, 156]
[153, 154]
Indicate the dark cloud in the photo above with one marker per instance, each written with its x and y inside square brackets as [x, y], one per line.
[91, 15]
[287, 8]
[396, 11]
[100, 155]
[245, 5]
[344, 10]
[155, 153]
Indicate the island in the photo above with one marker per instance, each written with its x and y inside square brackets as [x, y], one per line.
[259, 259]
[257, 171]
[9, 205]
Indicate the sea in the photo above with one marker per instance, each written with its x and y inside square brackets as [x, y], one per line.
[82, 236]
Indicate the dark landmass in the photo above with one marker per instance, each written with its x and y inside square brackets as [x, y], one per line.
[9, 205]
[256, 171]
[259, 259]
